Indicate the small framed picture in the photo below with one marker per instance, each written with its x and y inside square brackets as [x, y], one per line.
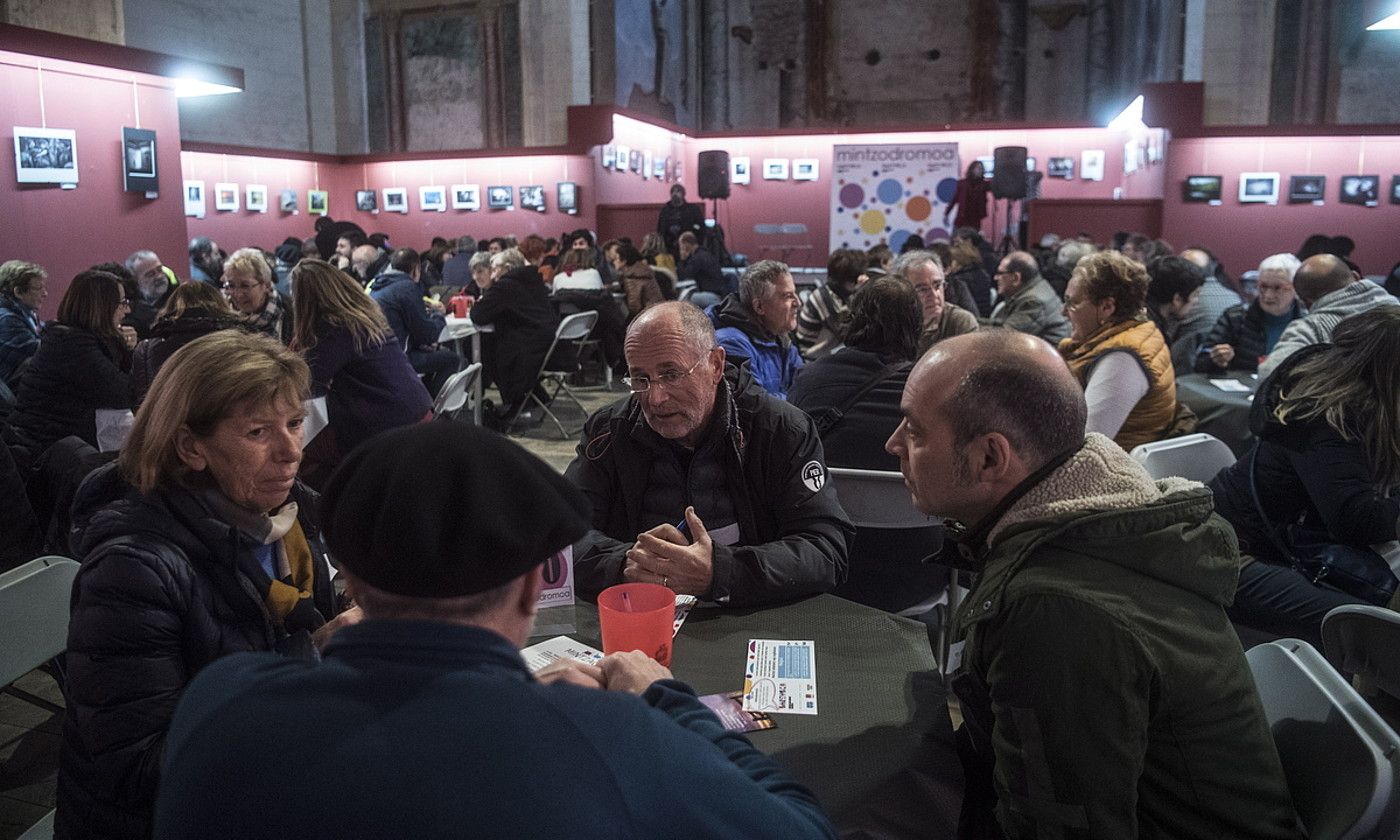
[634, 160]
[1202, 188]
[738, 170]
[1060, 167]
[658, 167]
[1090, 165]
[500, 198]
[1303, 189]
[804, 169]
[225, 196]
[1395, 189]
[138, 160]
[646, 164]
[989, 166]
[46, 155]
[775, 169]
[317, 202]
[620, 158]
[1361, 189]
[255, 198]
[287, 201]
[1259, 187]
[609, 156]
[532, 198]
[194, 199]
[466, 197]
[670, 168]
[432, 198]
[396, 199]
[568, 197]
[367, 201]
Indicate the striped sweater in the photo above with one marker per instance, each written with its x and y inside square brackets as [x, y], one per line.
[1316, 327]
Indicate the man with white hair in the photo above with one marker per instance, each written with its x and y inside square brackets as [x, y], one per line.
[1331, 291]
[1245, 334]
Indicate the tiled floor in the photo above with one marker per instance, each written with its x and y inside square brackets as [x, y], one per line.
[29, 734]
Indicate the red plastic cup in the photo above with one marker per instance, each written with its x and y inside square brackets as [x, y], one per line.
[459, 305]
[638, 616]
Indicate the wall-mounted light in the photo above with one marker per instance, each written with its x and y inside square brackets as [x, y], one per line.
[1387, 22]
[186, 87]
[1129, 118]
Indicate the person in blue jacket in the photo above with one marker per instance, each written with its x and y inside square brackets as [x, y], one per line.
[757, 325]
[423, 721]
[400, 297]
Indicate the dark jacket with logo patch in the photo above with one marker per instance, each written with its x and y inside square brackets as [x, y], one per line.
[793, 534]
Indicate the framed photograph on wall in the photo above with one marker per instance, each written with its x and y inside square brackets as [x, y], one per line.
[317, 202]
[255, 197]
[568, 197]
[805, 169]
[532, 197]
[658, 167]
[1259, 187]
[634, 160]
[466, 196]
[395, 200]
[989, 166]
[1060, 167]
[1361, 189]
[194, 199]
[432, 198]
[46, 156]
[225, 196]
[1395, 189]
[609, 157]
[1202, 188]
[500, 198]
[620, 158]
[1306, 188]
[1090, 165]
[138, 160]
[646, 165]
[738, 170]
[367, 201]
[287, 201]
[775, 169]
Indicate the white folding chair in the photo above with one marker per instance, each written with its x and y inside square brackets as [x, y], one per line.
[1339, 757]
[34, 602]
[457, 394]
[1197, 457]
[879, 500]
[576, 329]
[1362, 640]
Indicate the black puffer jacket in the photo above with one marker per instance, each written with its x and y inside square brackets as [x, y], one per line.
[978, 284]
[160, 595]
[1243, 329]
[1306, 473]
[793, 534]
[73, 373]
[166, 338]
[518, 306]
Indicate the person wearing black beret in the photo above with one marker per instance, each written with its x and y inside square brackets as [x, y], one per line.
[423, 721]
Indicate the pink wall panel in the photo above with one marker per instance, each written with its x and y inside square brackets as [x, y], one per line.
[628, 187]
[414, 229]
[809, 202]
[1243, 234]
[68, 230]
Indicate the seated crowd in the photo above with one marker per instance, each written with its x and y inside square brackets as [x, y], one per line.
[1102, 680]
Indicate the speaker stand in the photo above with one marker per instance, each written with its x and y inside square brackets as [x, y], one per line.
[1008, 241]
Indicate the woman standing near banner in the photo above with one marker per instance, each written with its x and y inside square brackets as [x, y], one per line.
[970, 199]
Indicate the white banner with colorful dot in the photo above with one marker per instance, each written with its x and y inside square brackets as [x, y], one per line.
[887, 193]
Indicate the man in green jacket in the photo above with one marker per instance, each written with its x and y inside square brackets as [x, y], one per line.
[1103, 690]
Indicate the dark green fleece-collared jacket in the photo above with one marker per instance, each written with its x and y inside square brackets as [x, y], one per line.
[1104, 691]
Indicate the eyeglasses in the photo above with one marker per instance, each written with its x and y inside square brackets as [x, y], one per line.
[243, 287]
[924, 289]
[642, 384]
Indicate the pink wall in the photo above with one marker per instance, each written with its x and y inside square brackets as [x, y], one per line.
[809, 202]
[414, 229]
[68, 230]
[1243, 234]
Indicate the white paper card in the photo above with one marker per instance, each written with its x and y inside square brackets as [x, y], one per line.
[1231, 385]
[558, 649]
[781, 677]
[683, 605]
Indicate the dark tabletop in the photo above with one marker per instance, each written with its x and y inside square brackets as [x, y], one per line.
[1223, 414]
[879, 755]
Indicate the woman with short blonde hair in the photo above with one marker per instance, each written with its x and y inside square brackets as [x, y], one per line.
[197, 544]
[248, 282]
[355, 363]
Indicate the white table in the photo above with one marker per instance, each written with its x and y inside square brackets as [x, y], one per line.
[455, 331]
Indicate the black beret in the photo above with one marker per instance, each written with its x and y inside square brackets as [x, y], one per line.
[444, 509]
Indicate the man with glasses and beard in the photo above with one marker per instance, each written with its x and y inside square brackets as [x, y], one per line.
[702, 482]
